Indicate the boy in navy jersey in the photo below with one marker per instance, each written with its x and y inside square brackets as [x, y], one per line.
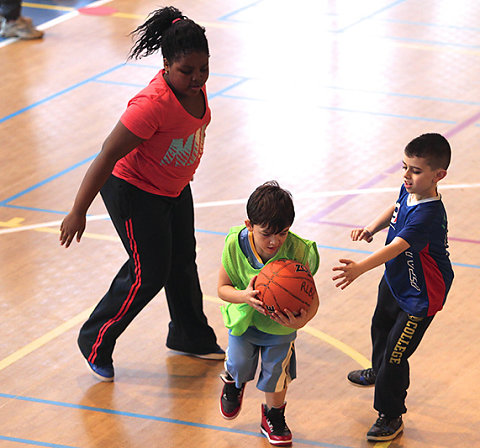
[418, 275]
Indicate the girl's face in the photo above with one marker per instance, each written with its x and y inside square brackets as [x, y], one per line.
[419, 179]
[187, 74]
[267, 244]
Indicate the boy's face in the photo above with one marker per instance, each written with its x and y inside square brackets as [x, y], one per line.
[419, 178]
[267, 244]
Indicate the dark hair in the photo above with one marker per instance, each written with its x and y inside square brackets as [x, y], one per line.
[271, 206]
[173, 39]
[432, 147]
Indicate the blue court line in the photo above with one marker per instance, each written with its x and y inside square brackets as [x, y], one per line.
[373, 14]
[226, 89]
[61, 92]
[432, 25]
[119, 83]
[34, 442]
[342, 249]
[47, 180]
[156, 418]
[227, 17]
[432, 42]
[404, 95]
[355, 111]
[34, 209]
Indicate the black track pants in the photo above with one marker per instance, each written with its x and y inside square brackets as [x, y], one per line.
[395, 337]
[158, 235]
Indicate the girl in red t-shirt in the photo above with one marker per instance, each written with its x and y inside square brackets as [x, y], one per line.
[143, 173]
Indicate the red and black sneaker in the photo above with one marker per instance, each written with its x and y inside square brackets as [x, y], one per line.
[274, 427]
[232, 397]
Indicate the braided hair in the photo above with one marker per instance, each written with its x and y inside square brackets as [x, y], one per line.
[168, 30]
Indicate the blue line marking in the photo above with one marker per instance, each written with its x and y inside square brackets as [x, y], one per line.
[435, 25]
[34, 209]
[61, 92]
[211, 232]
[226, 89]
[230, 14]
[433, 42]
[34, 442]
[45, 181]
[373, 14]
[366, 112]
[119, 83]
[404, 95]
[154, 418]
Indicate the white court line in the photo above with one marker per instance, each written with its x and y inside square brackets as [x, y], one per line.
[56, 21]
[244, 201]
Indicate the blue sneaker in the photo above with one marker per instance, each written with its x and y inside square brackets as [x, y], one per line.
[102, 373]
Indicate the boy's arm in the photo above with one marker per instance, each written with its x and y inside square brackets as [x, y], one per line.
[351, 269]
[226, 291]
[380, 222]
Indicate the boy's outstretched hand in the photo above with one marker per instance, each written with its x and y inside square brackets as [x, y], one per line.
[361, 234]
[350, 271]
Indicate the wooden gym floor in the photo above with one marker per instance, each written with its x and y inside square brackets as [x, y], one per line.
[320, 95]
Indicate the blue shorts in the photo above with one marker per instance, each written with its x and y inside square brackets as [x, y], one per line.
[278, 361]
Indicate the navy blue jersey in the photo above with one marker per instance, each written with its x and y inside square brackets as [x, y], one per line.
[420, 277]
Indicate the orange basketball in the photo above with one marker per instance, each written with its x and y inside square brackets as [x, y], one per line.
[285, 284]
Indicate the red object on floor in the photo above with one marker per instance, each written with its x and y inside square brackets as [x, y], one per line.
[98, 11]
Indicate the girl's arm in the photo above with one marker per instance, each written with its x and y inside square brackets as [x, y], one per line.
[118, 144]
[351, 269]
[380, 222]
[226, 291]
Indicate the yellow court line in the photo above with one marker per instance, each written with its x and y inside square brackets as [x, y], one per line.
[45, 339]
[92, 236]
[43, 6]
[81, 317]
[339, 345]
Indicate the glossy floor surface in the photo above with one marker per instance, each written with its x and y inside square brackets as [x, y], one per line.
[320, 95]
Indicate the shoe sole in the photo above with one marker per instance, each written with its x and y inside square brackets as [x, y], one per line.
[208, 356]
[360, 385]
[104, 379]
[226, 417]
[385, 438]
[274, 442]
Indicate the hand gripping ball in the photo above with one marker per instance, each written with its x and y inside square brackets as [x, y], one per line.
[285, 284]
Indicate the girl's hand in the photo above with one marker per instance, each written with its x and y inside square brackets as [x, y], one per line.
[251, 297]
[361, 234]
[350, 271]
[288, 319]
[73, 224]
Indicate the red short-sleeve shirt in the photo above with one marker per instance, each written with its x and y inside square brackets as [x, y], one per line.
[166, 161]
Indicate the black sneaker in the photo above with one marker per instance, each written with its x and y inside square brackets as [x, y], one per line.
[231, 399]
[385, 428]
[274, 426]
[362, 378]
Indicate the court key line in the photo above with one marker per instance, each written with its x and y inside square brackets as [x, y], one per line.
[81, 317]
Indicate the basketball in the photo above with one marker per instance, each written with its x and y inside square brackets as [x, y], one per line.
[285, 284]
